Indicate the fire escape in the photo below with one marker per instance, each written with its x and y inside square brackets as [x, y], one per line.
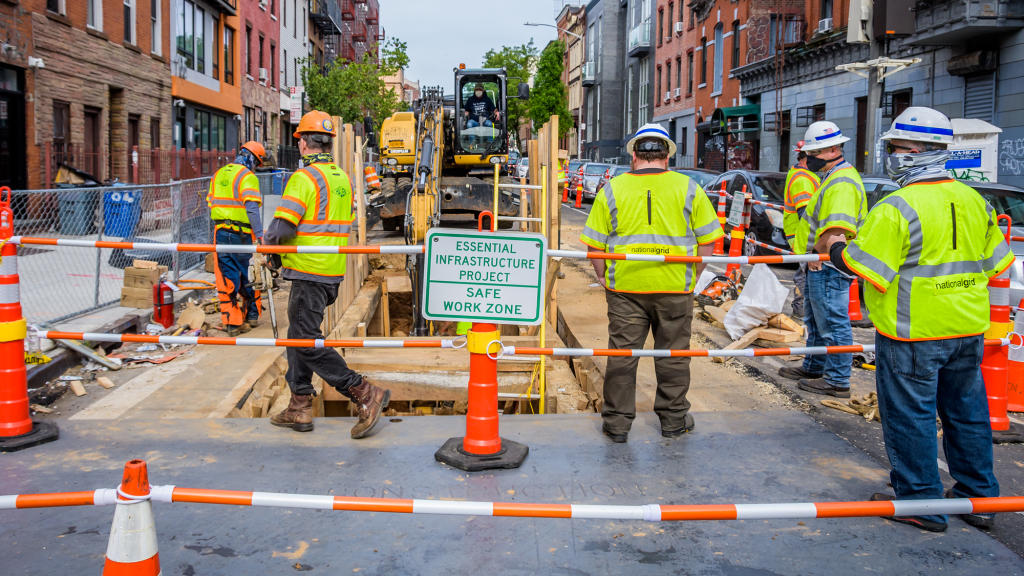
[327, 16]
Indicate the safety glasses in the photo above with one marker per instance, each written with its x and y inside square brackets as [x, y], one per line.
[893, 149]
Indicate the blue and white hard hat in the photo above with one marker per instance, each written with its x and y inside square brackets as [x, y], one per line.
[652, 131]
[920, 124]
[822, 134]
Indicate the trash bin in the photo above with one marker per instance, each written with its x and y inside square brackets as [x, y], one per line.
[77, 212]
[121, 210]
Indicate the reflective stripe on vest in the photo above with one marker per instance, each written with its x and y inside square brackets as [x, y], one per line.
[813, 214]
[322, 200]
[225, 201]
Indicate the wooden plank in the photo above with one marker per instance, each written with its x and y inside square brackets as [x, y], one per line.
[776, 335]
[105, 382]
[783, 322]
[357, 173]
[258, 368]
[715, 312]
[399, 283]
[549, 285]
[41, 409]
[361, 330]
[726, 305]
[78, 388]
[743, 342]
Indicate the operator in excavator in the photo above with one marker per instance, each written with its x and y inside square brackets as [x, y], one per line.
[480, 106]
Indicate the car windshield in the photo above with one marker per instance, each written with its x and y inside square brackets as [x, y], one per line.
[595, 169]
[702, 178]
[574, 166]
[772, 187]
[619, 170]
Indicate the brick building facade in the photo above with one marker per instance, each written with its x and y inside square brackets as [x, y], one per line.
[572, 19]
[674, 70]
[261, 101]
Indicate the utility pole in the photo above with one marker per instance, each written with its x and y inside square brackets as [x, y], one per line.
[875, 89]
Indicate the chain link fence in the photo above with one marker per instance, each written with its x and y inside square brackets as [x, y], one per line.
[61, 283]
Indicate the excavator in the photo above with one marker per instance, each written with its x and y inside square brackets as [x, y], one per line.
[439, 160]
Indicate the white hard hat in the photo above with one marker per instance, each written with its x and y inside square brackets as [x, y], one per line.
[652, 131]
[822, 135]
[920, 124]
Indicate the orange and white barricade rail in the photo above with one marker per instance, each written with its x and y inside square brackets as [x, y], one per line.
[781, 259]
[220, 248]
[645, 512]
[767, 246]
[216, 341]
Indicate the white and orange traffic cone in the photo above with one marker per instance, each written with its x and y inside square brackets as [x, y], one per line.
[132, 548]
[1015, 364]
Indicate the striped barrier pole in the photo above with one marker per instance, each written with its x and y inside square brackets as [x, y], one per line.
[1015, 366]
[720, 243]
[17, 430]
[994, 360]
[780, 259]
[219, 248]
[738, 353]
[132, 547]
[767, 246]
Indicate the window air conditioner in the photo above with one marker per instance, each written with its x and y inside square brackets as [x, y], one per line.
[263, 4]
[824, 25]
[263, 74]
[677, 93]
[668, 96]
[679, 27]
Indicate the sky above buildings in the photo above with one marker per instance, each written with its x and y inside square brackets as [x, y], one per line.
[443, 33]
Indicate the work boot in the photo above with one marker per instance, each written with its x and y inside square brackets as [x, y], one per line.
[798, 373]
[688, 425]
[235, 331]
[298, 415]
[915, 521]
[370, 401]
[821, 386]
[983, 521]
[616, 438]
[252, 322]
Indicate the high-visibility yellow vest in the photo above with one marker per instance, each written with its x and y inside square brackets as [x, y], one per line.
[800, 184]
[230, 188]
[318, 200]
[927, 252]
[838, 203]
[563, 173]
[662, 213]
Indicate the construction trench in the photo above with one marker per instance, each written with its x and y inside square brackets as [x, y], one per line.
[201, 421]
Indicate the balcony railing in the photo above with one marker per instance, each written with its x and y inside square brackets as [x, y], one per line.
[952, 22]
[587, 72]
[640, 39]
[326, 14]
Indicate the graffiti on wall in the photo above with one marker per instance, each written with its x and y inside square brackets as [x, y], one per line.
[1011, 156]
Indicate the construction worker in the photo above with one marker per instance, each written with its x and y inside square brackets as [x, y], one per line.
[837, 208]
[235, 203]
[800, 184]
[653, 211]
[927, 252]
[316, 210]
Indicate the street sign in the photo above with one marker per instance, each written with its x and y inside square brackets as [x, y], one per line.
[484, 276]
[295, 114]
[736, 210]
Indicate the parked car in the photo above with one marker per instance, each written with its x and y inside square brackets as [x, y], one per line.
[513, 161]
[702, 176]
[575, 175]
[592, 172]
[523, 168]
[610, 173]
[765, 222]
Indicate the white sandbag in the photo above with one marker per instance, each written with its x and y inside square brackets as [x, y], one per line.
[763, 297]
[706, 277]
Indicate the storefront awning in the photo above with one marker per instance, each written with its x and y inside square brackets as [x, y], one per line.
[736, 120]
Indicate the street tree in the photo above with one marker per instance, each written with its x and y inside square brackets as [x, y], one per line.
[357, 89]
[549, 96]
[519, 63]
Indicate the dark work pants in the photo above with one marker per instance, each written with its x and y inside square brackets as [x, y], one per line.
[306, 304]
[239, 300]
[630, 318]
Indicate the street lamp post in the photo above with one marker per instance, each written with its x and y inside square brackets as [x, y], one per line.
[577, 36]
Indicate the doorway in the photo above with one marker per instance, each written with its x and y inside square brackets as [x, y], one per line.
[92, 150]
[862, 129]
[133, 141]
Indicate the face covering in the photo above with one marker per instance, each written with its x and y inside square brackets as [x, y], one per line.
[479, 94]
[906, 169]
[815, 164]
[246, 159]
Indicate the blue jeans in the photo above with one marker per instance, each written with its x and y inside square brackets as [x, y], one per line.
[916, 379]
[234, 269]
[827, 315]
[474, 123]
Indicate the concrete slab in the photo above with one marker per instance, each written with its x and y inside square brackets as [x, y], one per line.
[732, 457]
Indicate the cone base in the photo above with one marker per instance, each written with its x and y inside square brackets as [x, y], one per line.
[42, 432]
[1012, 407]
[1015, 435]
[511, 455]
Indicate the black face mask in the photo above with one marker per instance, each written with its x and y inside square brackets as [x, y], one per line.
[815, 164]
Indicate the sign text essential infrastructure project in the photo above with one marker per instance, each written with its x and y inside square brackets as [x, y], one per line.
[484, 276]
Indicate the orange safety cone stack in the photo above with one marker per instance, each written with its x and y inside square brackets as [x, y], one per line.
[579, 194]
[855, 314]
[482, 448]
[737, 237]
[17, 430]
[565, 192]
[1015, 365]
[132, 548]
[994, 362]
[720, 243]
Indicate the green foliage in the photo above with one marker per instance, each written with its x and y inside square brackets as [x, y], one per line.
[549, 96]
[518, 62]
[353, 90]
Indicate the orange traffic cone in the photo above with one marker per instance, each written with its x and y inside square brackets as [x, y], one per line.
[132, 548]
[736, 239]
[855, 314]
[1015, 365]
[579, 195]
[994, 361]
[720, 243]
[565, 193]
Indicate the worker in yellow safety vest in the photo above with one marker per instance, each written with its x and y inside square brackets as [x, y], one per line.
[235, 203]
[800, 184]
[316, 210]
[837, 208]
[927, 252]
[649, 210]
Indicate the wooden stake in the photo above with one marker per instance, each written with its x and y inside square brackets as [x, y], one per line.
[105, 382]
[78, 388]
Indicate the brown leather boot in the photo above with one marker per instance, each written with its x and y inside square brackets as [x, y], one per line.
[370, 402]
[298, 415]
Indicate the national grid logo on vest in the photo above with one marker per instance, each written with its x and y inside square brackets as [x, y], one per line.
[952, 285]
[656, 250]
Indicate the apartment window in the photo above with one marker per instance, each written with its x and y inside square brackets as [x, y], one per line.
[689, 73]
[273, 65]
[284, 13]
[704, 60]
[248, 124]
[679, 73]
[305, 24]
[826, 9]
[273, 7]
[61, 124]
[284, 70]
[248, 51]
[668, 77]
[682, 140]
[155, 28]
[657, 92]
[191, 39]
[229, 55]
[597, 114]
[719, 49]
[591, 45]
[590, 117]
[55, 6]
[693, 17]
[202, 130]
[259, 53]
[671, 23]
[200, 40]
[129, 20]
[154, 133]
[93, 13]
[787, 26]
[218, 132]
[736, 44]
[809, 114]
[295, 28]
[629, 102]
[600, 47]
[645, 91]
[215, 53]
[661, 26]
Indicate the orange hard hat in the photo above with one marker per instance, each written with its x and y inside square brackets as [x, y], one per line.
[315, 121]
[257, 149]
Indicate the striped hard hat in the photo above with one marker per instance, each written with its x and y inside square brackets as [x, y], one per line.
[920, 124]
[651, 131]
[821, 135]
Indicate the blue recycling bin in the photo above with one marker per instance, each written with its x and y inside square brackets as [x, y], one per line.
[121, 211]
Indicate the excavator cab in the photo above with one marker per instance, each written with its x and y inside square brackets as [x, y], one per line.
[481, 108]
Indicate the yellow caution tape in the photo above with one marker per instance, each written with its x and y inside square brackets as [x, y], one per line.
[34, 358]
